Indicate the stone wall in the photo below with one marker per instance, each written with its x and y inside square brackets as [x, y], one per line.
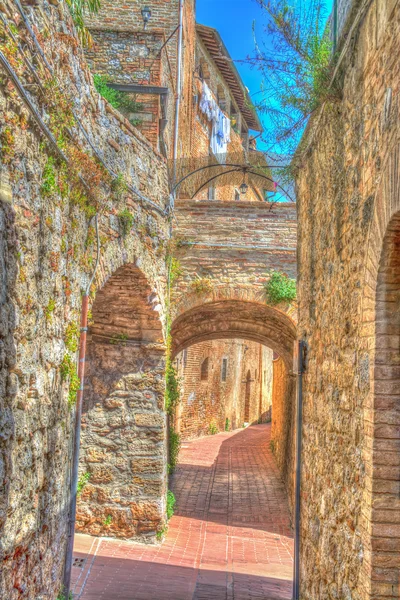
[348, 198]
[235, 243]
[283, 423]
[123, 443]
[221, 400]
[48, 251]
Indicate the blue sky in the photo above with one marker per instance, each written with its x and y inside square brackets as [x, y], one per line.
[234, 21]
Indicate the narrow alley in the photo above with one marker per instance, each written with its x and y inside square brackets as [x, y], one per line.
[230, 537]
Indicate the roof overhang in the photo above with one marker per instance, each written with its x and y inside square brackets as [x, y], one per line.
[220, 55]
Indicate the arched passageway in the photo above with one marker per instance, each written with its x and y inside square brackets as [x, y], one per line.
[235, 319]
[123, 447]
[232, 318]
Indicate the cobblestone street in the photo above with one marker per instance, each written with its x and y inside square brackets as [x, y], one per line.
[230, 537]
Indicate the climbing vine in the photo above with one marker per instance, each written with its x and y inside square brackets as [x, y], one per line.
[70, 376]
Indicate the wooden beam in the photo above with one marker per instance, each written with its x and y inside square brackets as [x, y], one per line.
[135, 88]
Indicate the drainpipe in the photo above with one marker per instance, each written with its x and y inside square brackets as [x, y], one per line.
[78, 417]
[177, 98]
[299, 370]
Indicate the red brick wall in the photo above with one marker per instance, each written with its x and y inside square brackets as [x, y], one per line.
[213, 401]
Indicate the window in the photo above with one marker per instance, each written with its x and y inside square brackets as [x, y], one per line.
[211, 192]
[265, 376]
[204, 370]
[224, 369]
[184, 358]
[237, 195]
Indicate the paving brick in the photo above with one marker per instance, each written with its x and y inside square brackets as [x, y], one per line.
[230, 537]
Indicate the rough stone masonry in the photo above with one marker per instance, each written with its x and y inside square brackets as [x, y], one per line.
[349, 310]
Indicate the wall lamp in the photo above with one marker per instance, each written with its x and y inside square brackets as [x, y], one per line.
[146, 14]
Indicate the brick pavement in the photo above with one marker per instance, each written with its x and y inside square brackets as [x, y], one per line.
[230, 537]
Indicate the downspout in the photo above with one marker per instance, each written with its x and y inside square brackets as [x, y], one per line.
[78, 417]
[299, 370]
[178, 93]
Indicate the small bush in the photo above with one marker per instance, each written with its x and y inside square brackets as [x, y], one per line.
[72, 337]
[126, 221]
[107, 521]
[171, 501]
[114, 97]
[119, 187]
[83, 480]
[213, 428]
[50, 308]
[280, 288]
[49, 178]
[68, 371]
[227, 425]
[202, 285]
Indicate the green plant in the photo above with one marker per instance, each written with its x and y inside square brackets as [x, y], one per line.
[114, 97]
[68, 373]
[172, 390]
[174, 443]
[72, 336]
[119, 187]
[297, 65]
[227, 424]
[280, 288]
[201, 285]
[126, 221]
[61, 595]
[50, 308]
[213, 428]
[171, 501]
[78, 8]
[7, 144]
[161, 532]
[119, 338]
[49, 178]
[82, 482]
[107, 521]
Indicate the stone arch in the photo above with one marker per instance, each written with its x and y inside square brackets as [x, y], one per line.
[385, 530]
[123, 446]
[242, 313]
[380, 576]
[235, 319]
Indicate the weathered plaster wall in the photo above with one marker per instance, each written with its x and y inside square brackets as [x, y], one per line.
[47, 257]
[214, 400]
[348, 192]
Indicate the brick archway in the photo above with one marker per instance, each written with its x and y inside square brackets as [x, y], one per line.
[385, 543]
[123, 447]
[241, 313]
[379, 527]
[233, 318]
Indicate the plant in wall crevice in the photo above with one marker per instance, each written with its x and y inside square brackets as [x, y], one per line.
[280, 288]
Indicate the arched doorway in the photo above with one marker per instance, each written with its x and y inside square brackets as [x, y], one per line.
[385, 526]
[123, 442]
